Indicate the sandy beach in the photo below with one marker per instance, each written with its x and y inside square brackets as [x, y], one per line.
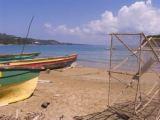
[79, 60]
[73, 92]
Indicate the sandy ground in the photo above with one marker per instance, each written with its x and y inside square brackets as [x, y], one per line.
[76, 91]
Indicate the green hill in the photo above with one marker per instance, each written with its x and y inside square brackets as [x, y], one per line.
[11, 39]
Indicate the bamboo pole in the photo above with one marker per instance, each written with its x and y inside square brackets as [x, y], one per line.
[123, 73]
[125, 34]
[110, 67]
[126, 45]
[139, 74]
[144, 106]
[152, 48]
[125, 60]
[28, 30]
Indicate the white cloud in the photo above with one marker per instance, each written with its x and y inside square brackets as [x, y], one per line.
[65, 30]
[149, 2]
[62, 29]
[138, 17]
[107, 23]
[48, 25]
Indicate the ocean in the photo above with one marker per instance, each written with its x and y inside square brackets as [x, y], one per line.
[88, 55]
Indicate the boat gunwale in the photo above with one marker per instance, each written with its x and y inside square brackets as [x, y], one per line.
[49, 62]
[13, 55]
[42, 60]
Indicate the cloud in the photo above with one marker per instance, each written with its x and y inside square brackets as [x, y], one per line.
[62, 29]
[149, 2]
[107, 23]
[138, 17]
[48, 26]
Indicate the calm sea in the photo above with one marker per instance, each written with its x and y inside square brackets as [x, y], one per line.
[88, 55]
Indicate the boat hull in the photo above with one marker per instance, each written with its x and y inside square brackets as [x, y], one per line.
[17, 85]
[18, 56]
[46, 63]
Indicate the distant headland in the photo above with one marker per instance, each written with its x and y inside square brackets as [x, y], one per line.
[6, 39]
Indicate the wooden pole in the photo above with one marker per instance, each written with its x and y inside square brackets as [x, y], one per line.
[110, 67]
[154, 52]
[138, 75]
[125, 45]
[28, 30]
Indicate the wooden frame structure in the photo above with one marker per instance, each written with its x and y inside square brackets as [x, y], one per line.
[139, 104]
[137, 108]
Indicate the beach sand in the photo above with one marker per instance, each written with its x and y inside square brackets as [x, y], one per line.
[75, 92]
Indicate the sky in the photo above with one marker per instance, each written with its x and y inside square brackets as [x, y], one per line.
[79, 21]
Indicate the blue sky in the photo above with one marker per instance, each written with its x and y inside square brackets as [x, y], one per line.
[77, 21]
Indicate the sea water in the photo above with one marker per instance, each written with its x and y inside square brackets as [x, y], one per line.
[88, 55]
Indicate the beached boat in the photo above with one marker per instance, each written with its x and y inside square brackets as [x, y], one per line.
[17, 84]
[9, 57]
[46, 63]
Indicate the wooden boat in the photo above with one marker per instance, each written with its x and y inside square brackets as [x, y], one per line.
[9, 57]
[17, 84]
[46, 63]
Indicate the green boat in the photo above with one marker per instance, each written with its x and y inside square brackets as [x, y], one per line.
[9, 57]
[17, 84]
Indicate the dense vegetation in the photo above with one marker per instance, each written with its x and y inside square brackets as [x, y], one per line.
[11, 39]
